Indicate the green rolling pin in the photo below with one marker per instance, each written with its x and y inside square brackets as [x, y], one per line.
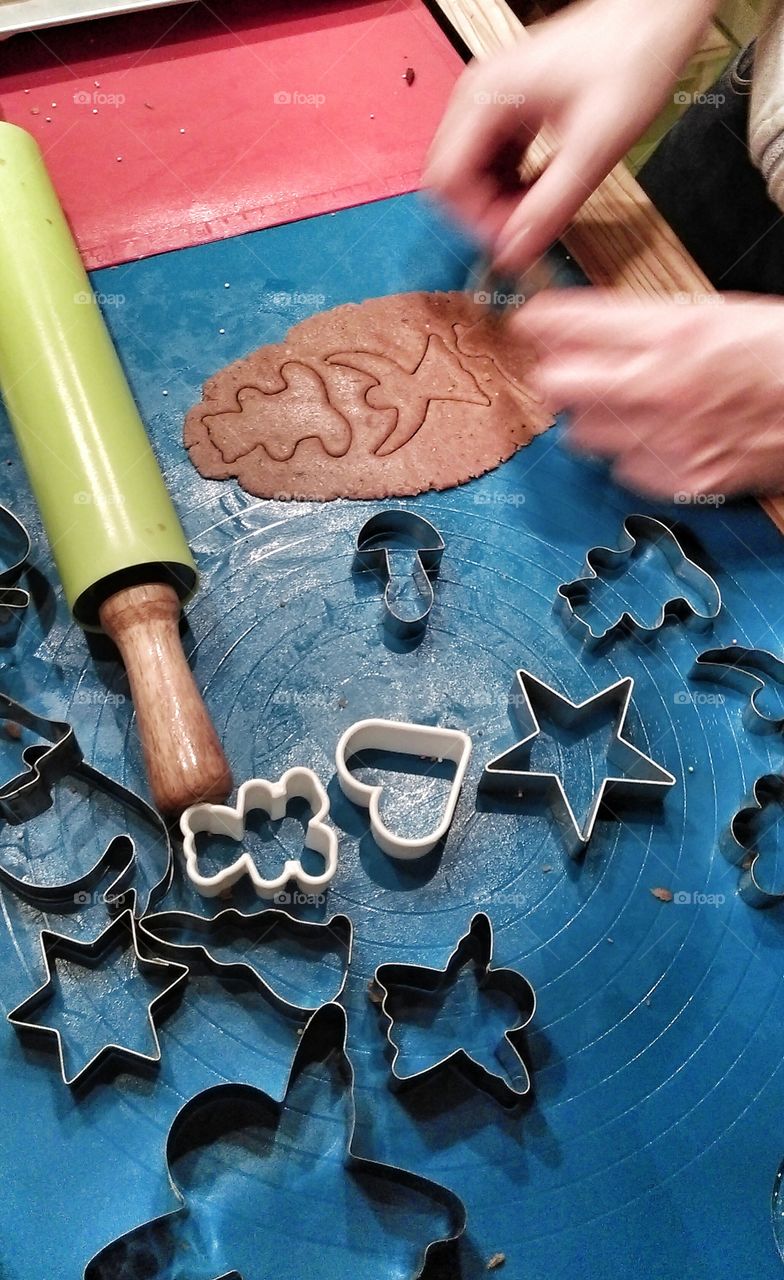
[115, 536]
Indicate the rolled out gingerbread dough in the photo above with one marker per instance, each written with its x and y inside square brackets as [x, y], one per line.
[385, 398]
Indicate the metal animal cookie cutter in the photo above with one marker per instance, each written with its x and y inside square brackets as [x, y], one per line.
[474, 948]
[226, 1109]
[13, 599]
[418, 740]
[741, 846]
[29, 794]
[90, 955]
[272, 797]
[384, 533]
[252, 928]
[740, 667]
[637, 529]
[643, 778]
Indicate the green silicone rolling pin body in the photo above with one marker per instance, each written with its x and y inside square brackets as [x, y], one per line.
[115, 536]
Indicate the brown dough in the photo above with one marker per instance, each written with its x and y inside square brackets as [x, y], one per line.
[382, 399]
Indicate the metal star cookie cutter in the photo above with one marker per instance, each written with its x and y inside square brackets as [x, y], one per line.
[422, 741]
[740, 847]
[639, 529]
[215, 1113]
[13, 599]
[647, 780]
[740, 667]
[475, 948]
[272, 797]
[90, 955]
[390, 531]
[252, 928]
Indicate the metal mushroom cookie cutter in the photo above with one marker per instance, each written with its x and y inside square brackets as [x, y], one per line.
[642, 778]
[748, 670]
[637, 530]
[401, 533]
[272, 1168]
[272, 798]
[417, 740]
[89, 955]
[252, 929]
[742, 844]
[13, 599]
[416, 982]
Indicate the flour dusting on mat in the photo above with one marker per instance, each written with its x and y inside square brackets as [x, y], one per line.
[385, 398]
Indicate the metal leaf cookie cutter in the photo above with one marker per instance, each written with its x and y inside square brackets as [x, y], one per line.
[251, 929]
[225, 1110]
[610, 561]
[29, 795]
[13, 599]
[389, 533]
[412, 981]
[421, 741]
[272, 798]
[742, 845]
[745, 669]
[90, 955]
[642, 779]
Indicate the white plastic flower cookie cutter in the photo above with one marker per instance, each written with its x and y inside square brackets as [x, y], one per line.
[418, 740]
[272, 798]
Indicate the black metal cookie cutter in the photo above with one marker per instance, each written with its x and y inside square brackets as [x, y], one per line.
[90, 955]
[397, 532]
[227, 1109]
[475, 948]
[741, 846]
[13, 599]
[251, 928]
[748, 670]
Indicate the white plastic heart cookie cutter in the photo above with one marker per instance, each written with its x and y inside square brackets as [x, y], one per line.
[419, 740]
[272, 798]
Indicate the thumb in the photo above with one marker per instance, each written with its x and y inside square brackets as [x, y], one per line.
[545, 209]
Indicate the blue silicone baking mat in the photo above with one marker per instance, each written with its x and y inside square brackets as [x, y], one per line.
[656, 1125]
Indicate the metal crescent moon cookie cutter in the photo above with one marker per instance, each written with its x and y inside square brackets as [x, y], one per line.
[639, 529]
[271, 797]
[741, 667]
[645, 780]
[417, 740]
[474, 948]
[393, 531]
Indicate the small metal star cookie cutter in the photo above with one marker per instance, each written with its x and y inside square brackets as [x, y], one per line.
[398, 531]
[421, 741]
[741, 844]
[252, 928]
[212, 1115]
[474, 948]
[750, 670]
[29, 794]
[90, 955]
[13, 599]
[610, 560]
[646, 780]
[271, 797]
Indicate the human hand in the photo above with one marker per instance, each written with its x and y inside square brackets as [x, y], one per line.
[684, 400]
[597, 73]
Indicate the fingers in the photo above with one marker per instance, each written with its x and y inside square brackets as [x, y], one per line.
[542, 213]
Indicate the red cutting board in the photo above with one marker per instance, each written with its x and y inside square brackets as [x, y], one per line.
[169, 129]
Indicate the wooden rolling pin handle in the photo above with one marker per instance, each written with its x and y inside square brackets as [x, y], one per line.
[184, 759]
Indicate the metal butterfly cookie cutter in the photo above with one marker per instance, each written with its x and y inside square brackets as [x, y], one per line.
[394, 533]
[475, 948]
[639, 529]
